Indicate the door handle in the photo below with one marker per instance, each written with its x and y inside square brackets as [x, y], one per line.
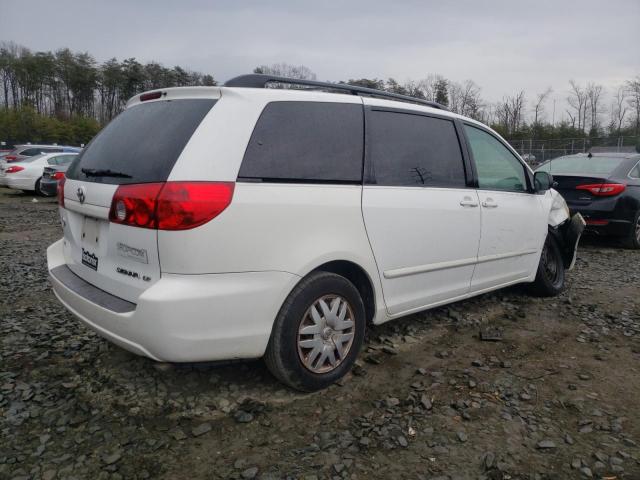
[489, 203]
[468, 202]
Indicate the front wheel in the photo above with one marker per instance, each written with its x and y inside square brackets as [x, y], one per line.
[318, 332]
[549, 280]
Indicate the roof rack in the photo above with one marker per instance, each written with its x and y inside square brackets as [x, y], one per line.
[257, 80]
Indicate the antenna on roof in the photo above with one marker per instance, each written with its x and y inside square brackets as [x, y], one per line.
[261, 81]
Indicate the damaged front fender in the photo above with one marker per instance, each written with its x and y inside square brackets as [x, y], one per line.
[565, 228]
[568, 236]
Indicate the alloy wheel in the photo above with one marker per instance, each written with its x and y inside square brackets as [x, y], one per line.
[326, 334]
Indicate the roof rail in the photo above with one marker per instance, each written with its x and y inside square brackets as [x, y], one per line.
[257, 80]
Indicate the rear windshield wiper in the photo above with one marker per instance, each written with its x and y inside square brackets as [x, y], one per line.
[97, 172]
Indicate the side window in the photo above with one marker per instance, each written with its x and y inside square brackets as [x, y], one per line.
[414, 150]
[635, 171]
[306, 141]
[498, 168]
[30, 152]
[64, 159]
[53, 161]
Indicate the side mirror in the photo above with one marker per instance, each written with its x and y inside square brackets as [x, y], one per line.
[542, 181]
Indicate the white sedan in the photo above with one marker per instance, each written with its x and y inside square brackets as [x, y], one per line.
[26, 174]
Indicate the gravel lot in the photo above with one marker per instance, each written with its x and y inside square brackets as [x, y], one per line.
[557, 398]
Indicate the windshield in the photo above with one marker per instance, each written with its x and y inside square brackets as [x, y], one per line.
[141, 144]
[582, 165]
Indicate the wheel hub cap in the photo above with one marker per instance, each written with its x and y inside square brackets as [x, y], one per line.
[326, 334]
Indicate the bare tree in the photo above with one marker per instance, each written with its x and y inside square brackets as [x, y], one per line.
[594, 94]
[509, 112]
[430, 86]
[618, 109]
[538, 108]
[577, 99]
[633, 89]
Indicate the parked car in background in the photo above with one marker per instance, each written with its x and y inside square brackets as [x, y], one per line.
[50, 179]
[20, 152]
[252, 222]
[604, 188]
[27, 174]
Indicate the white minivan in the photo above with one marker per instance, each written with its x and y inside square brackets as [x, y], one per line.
[214, 223]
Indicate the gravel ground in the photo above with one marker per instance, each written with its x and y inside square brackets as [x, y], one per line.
[558, 397]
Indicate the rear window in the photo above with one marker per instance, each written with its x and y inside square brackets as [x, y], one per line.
[582, 165]
[306, 141]
[141, 144]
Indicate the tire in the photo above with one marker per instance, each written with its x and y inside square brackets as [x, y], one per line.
[37, 188]
[549, 280]
[298, 359]
[633, 238]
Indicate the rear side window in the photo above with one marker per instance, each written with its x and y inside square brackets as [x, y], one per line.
[635, 172]
[61, 159]
[30, 152]
[414, 150]
[306, 141]
[141, 144]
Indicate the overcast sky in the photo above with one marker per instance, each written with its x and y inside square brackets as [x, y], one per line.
[504, 46]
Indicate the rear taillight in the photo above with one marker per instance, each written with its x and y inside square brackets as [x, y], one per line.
[14, 169]
[10, 158]
[58, 176]
[603, 189]
[170, 205]
[60, 191]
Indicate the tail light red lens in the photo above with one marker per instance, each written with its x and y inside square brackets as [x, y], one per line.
[170, 205]
[10, 158]
[135, 205]
[60, 191]
[603, 189]
[14, 169]
[58, 176]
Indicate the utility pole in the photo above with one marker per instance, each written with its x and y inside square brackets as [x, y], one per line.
[553, 118]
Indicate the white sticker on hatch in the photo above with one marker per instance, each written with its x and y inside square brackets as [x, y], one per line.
[132, 253]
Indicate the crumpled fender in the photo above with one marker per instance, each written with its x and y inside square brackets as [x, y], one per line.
[558, 209]
[566, 229]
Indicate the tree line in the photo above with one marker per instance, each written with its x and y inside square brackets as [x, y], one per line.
[66, 96]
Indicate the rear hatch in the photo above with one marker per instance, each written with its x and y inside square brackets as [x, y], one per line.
[139, 147]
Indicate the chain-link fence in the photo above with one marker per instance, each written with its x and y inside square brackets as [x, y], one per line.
[535, 152]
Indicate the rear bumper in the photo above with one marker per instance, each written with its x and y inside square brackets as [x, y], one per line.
[614, 228]
[49, 187]
[182, 318]
[606, 222]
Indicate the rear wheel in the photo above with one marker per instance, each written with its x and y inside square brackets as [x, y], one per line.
[633, 238]
[38, 190]
[549, 280]
[318, 332]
